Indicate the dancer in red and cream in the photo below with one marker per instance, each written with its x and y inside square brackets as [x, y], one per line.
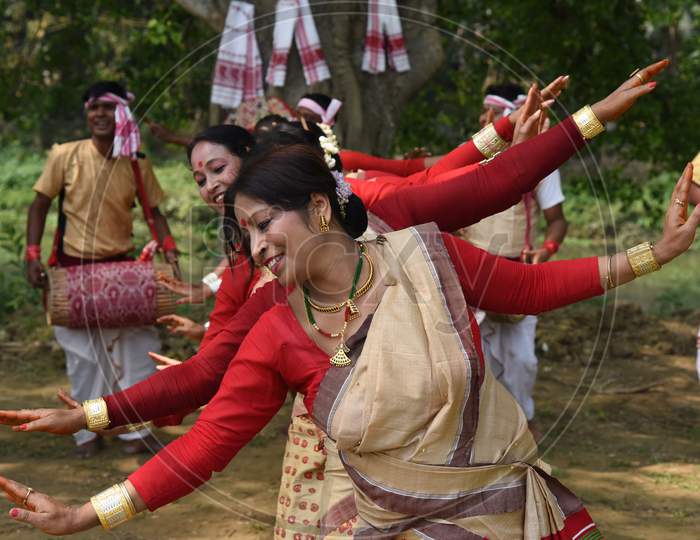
[301, 221]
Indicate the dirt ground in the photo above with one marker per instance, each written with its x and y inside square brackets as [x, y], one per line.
[622, 433]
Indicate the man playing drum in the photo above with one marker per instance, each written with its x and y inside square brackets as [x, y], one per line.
[96, 184]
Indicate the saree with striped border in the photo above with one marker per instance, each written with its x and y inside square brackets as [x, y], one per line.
[422, 441]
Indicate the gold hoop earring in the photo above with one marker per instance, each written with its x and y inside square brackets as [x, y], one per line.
[323, 224]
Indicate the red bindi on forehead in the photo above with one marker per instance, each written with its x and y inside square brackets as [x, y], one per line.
[243, 223]
[199, 164]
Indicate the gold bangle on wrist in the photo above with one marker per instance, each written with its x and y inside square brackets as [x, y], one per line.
[113, 506]
[489, 142]
[588, 123]
[611, 283]
[96, 415]
[642, 260]
[131, 428]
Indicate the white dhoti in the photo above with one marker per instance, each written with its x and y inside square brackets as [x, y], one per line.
[509, 349]
[103, 361]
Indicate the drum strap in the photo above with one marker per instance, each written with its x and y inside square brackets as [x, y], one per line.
[57, 248]
[143, 200]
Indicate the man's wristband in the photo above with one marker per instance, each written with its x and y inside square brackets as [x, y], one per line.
[169, 244]
[551, 245]
[32, 253]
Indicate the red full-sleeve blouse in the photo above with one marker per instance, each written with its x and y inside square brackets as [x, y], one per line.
[452, 204]
[459, 157]
[277, 355]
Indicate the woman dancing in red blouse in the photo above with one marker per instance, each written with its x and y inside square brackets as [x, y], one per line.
[454, 438]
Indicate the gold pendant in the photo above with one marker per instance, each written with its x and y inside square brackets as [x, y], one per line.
[340, 358]
[354, 311]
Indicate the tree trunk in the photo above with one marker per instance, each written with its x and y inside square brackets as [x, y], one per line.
[372, 104]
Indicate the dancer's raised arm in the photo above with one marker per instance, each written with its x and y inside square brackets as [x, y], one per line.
[453, 204]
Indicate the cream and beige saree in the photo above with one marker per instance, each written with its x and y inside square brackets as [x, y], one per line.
[422, 441]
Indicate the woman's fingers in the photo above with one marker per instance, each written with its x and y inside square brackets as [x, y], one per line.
[66, 398]
[45, 424]
[555, 88]
[652, 70]
[532, 103]
[644, 75]
[684, 183]
[168, 319]
[164, 360]
[40, 520]
[678, 206]
[682, 192]
[543, 121]
[531, 122]
[12, 418]
[14, 491]
[174, 285]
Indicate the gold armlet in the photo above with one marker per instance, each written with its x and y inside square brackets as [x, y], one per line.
[489, 142]
[642, 260]
[113, 506]
[587, 123]
[96, 414]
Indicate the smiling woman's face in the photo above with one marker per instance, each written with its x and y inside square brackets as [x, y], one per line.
[214, 169]
[282, 240]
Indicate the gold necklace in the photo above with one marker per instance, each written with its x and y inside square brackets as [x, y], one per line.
[340, 357]
[354, 295]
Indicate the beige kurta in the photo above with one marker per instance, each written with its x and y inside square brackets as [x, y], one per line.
[99, 195]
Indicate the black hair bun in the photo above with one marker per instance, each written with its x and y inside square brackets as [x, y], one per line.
[355, 221]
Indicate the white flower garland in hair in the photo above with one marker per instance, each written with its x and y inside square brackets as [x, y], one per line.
[329, 145]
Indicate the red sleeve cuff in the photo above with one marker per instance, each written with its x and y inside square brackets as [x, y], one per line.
[505, 129]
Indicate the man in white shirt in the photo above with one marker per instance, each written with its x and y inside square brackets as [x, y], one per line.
[508, 342]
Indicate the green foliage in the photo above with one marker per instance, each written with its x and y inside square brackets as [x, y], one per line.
[597, 42]
[53, 51]
[18, 173]
[636, 204]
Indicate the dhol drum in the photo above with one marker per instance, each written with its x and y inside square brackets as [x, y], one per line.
[108, 295]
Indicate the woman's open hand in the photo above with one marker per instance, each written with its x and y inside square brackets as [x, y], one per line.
[545, 98]
[46, 513]
[679, 227]
[56, 421]
[183, 326]
[532, 117]
[71, 403]
[192, 293]
[617, 103]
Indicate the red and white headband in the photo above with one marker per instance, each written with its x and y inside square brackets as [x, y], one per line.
[492, 100]
[327, 115]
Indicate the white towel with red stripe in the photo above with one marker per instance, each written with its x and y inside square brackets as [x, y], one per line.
[293, 19]
[383, 22]
[238, 70]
